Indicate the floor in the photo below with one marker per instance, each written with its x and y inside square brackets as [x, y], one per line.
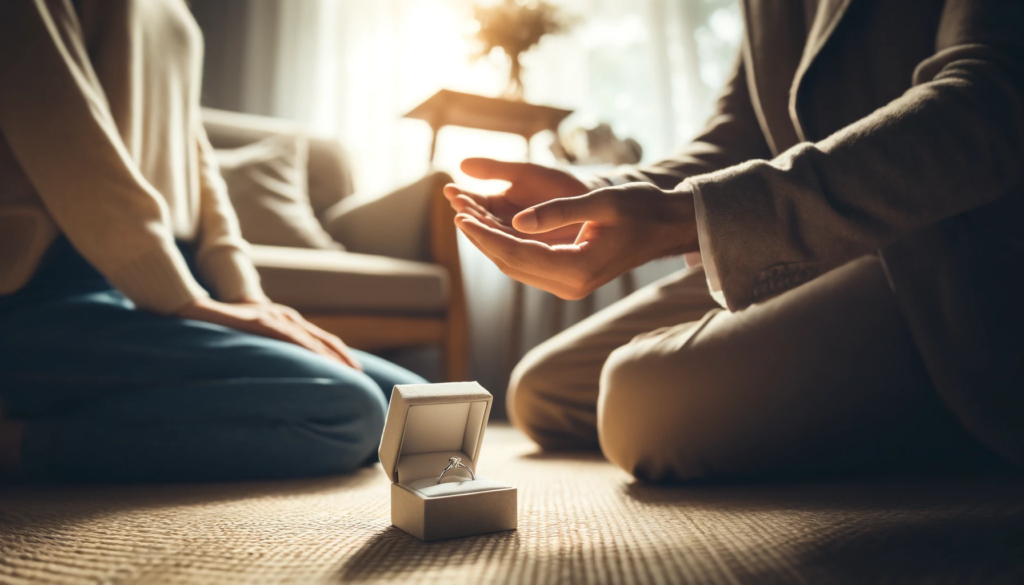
[581, 521]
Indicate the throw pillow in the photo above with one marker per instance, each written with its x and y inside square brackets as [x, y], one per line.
[267, 184]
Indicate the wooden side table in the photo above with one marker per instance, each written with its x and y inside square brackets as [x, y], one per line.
[453, 108]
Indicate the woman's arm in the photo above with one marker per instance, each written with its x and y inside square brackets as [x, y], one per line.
[222, 258]
[56, 120]
[222, 255]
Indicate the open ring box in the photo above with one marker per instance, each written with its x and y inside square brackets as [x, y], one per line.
[427, 424]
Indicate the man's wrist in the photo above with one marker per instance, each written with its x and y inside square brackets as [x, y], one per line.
[682, 235]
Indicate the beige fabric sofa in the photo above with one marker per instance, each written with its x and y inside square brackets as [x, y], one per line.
[397, 284]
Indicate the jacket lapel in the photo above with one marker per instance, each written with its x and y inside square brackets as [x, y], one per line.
[772, 49]
[826, 19]
[778, 52]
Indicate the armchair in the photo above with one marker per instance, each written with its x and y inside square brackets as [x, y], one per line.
[399, 281]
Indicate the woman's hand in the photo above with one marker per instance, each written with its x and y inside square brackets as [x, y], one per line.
[531, 184]
[262, 317]
[622, 227]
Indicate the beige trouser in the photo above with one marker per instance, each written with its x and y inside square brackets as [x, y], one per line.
[823, 378]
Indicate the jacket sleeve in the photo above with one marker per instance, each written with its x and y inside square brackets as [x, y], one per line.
[222, 255]
[732, 135]
[953, 142]
[57, 123]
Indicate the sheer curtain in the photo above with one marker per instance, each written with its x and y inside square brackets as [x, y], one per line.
[651, 68]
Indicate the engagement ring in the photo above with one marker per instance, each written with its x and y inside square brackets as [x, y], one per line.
[452, 464]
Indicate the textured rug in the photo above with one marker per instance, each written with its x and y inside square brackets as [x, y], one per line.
[581, 521]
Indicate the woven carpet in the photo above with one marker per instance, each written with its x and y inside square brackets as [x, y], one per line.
[581, 521]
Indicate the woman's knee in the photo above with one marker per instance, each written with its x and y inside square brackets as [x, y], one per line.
[342, 415]
[386, 374]
[342, 428]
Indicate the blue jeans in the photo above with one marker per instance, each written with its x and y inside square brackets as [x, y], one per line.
[110, 393]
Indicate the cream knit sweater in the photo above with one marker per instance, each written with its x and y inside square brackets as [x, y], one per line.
[101, 140]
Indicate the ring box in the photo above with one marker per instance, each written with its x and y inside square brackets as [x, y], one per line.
[426, 425]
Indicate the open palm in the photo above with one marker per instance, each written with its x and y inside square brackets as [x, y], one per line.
[623, 227]
[530, 185]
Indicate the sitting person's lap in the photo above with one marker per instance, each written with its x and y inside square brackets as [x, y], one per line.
[824, 378]
[111, 393]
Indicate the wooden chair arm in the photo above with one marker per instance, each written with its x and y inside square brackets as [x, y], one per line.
[444, 249]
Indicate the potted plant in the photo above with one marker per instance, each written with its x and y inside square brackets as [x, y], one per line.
[515, 27]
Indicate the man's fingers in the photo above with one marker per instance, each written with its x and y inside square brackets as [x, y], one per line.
[454, 193]
[465, 203]
[560, 236]
[598, 206]
[486, 218]
[561, 264]
[545, 284]
[497, 242]
[451, 191]
[488, 168]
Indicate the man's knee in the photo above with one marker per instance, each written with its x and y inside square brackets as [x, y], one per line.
[538, 403]
[651, 416]
[529, 395]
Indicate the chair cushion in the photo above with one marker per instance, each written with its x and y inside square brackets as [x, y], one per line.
[329, 281]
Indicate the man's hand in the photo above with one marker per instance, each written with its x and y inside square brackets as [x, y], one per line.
[262, 317]
[531, 184]
[622, 227]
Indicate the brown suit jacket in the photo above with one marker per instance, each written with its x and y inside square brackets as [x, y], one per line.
[891, 125]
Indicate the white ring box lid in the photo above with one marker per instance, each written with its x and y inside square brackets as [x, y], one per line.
[426, 425]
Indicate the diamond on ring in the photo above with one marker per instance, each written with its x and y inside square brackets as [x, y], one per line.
[454, 462]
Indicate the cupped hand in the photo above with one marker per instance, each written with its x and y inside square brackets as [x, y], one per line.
[530, 184]
[262, 317]
[622, 227]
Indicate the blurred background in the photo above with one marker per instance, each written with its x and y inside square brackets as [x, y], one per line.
[649, 69]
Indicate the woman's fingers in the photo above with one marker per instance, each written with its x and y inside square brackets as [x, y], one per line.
[287, 324]
[280, 328]
[343, 351]
[350, 358]
[597, 206]
[306, 339]
[271, 320]
[332, 342]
